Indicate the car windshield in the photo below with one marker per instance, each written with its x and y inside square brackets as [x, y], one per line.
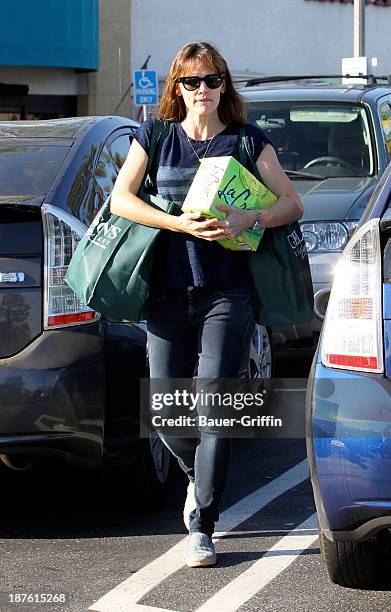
[325, 140]
[27, 169]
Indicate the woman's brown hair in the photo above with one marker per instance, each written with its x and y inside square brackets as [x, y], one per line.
[171, 107]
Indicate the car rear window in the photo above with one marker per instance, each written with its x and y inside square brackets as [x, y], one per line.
[326, 139]
[29, 169]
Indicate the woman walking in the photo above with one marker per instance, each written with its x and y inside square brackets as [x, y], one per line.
[201, 303]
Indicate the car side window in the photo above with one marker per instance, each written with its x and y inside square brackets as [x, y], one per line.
[385, 118]
[105, 171]
[119, 149]
[109, 164]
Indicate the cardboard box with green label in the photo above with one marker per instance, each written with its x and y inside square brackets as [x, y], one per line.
[223, 180]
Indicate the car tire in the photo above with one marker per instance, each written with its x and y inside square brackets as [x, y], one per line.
[260, 361]
[155, 467]
[356, 565]
[259, 365]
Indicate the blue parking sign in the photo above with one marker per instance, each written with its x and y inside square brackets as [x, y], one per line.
[145, 87]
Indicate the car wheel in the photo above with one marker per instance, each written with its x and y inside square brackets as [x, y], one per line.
[355, 564]
[260, 360]
[155, 467]
[258, 364]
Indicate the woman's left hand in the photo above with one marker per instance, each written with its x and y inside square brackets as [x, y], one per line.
[236, 221]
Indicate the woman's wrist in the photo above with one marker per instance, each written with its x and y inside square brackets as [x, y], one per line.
[173, 223]
[252, 216]
[256, 218]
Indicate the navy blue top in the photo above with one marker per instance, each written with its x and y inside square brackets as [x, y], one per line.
[182, 260]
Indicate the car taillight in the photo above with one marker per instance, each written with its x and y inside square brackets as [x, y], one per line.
[62, 233]
[352, 331]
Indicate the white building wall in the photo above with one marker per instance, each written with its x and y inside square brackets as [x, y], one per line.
[259, 36]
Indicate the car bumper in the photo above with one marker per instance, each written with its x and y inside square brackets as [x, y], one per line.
[52, 395]
[349, 451]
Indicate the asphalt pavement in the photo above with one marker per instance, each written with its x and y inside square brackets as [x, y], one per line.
[73, 533]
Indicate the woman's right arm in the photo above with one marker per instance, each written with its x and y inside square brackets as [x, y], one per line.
[125, 203]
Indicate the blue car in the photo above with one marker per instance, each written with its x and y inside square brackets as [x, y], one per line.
[348, 406]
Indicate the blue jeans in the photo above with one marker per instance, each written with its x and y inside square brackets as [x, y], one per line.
[206, 331]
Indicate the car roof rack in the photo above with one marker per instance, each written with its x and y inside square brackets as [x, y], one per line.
[370, 78]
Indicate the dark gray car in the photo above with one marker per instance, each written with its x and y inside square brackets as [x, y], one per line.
[69, 378]
[334, 142]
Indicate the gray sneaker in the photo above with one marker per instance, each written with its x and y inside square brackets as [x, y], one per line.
[190, 504]
[201, 551]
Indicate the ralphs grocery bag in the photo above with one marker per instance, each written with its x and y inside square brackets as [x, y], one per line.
[111, 265]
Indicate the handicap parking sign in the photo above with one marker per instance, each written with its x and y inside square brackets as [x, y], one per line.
[145, 87]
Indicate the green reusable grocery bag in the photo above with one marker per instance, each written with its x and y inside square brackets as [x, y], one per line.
[279, 267]
[111, 266]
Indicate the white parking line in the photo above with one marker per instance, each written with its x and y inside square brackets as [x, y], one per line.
[124, 597]
[278, 558]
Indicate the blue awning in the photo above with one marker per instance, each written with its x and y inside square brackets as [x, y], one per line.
[50, 33]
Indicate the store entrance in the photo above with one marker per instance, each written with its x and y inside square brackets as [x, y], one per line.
[34, 108]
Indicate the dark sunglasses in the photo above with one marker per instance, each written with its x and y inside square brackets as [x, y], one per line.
[212, 81]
